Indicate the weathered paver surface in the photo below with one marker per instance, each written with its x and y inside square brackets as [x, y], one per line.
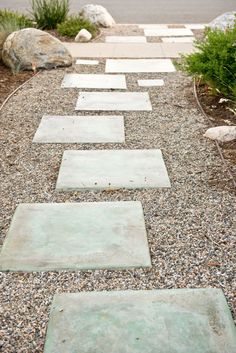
[125, 39]
[112, 169]
[113, 101]
[139, 65]
[125, 50]
[168, 32]
[178, 39]
[163, 321]
[76, 236]
[94, 81]
[80, 129]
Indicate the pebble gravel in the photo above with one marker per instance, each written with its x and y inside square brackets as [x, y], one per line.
[190, 226]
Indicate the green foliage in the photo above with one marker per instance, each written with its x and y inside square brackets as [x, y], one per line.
[49, 13]
[215, 61]
[74, 24]
[13, 21]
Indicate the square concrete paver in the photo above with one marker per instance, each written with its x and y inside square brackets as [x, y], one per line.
[112, 169]
[113, 101]
[125, 50]
[87, 62]
[139, 65]
[167, 32]
[151, 83]
[195, 25]
[151, 321]
[94, 81]
[178, 39]
[76, 236]
[149, 25]
[126, 39]
[80, 129]
[175, 50]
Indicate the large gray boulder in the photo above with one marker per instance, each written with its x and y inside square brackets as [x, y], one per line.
[3, 37]
[31, 49]
[98, 15]
[224, 21]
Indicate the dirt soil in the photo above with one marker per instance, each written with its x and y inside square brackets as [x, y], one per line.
[9, 81]
[55, 33]
[219, 114]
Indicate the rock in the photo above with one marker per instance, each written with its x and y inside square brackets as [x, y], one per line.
[98, 15]
[83, 36]
[221, 133]
[31, 49]
[224, 21]
[3, 37]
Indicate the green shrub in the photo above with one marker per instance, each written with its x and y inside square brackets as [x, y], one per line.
[13, 21]
[74, 24]
[215, 61]
[48, 13]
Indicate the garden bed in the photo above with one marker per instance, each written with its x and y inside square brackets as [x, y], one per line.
[55, 34]
[219, 114]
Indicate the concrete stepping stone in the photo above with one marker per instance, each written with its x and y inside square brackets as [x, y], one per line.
[125, 50]
[113, 101]
[125, 39]
[160, 321]
[80, 129]
[112, 169]
[195, 26]
[167, 32]
[139, 65]
[151, 83]
[175, 50]
[87, 62]
[76, 236]
[94, 81]
[155, 26]
[178, 39]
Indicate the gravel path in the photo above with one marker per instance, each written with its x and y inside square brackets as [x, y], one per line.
[134, 30]
[190, 226]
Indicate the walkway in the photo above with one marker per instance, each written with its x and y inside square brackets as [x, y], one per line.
[113, 177]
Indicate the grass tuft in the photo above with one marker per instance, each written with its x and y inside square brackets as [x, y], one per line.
[49, 13]
[74, 24]
[11, 21]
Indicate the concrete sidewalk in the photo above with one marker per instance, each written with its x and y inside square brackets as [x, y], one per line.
[125, 50]
[152, 11]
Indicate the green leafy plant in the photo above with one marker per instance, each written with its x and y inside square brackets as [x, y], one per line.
[49, 13]
[74, 24]
[214, 62]
[11, 21]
